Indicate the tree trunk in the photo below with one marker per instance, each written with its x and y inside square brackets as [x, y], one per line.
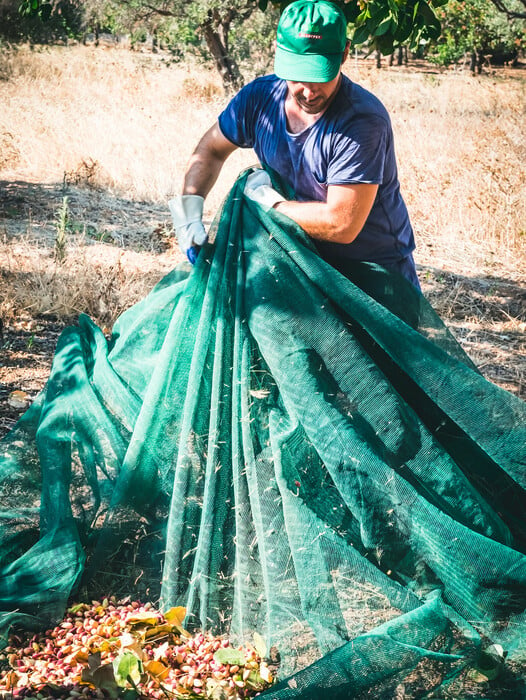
[378, 59]
[216, 38]
[476, 61]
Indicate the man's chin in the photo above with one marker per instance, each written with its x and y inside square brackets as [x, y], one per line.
[314, 108]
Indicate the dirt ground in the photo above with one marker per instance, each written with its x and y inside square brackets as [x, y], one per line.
[486, 314]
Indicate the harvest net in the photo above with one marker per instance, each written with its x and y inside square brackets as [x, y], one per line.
[319, 461]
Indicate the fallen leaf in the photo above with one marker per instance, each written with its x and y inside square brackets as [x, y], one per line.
[175, 615]
[260, 645]
[19, 399]
[158, 632]
[156, 669]
[142, 618]
[227, 655]
[127, 669]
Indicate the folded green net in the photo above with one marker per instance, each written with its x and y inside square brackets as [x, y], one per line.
[321, 463]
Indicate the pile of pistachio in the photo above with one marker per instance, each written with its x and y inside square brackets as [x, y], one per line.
[130, 650]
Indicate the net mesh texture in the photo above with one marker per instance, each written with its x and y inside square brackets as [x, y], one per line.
[319, 459]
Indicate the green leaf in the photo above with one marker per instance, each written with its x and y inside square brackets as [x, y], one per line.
[45, 11]
[361, 35]
[385, 44]
[77, 608]
[214, 691]
[255, 681]
[227, 655]
[263, 4]
[351, 10]
[402, 32]
[94, 661]
[100, 676]
[426, 12]
[104, 679]
[128, 669]
[383, 27]
[128, 694]
[362, 17]
[260, 645]
[376, 11]
[434, 29]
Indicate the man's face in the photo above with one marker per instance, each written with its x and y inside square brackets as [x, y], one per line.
[313, 98]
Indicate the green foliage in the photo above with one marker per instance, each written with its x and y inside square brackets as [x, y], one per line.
[384, 24]
[252, 42]
[101, 16]
[40, 21]
[475, 26]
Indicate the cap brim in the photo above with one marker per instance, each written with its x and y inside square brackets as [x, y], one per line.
[307, 67]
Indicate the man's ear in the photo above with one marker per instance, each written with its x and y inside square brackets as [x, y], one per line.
[346, 51]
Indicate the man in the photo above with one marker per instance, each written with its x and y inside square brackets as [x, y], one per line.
[329, 139]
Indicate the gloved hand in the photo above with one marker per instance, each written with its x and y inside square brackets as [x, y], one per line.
[258, 187]
[187, 216]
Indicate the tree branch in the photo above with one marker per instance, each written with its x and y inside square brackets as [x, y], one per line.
[510, 13]
[157, 10]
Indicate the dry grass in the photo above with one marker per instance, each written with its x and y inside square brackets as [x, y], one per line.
[113, 130]
[124, 121]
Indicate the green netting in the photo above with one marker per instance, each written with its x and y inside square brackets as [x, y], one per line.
[323, 463]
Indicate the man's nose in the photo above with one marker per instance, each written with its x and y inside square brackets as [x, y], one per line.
[309, 91]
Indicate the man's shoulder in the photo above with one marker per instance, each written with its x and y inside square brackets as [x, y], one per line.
[265, 84]
[358, 101]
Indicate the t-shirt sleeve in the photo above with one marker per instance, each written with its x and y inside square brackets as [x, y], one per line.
[234, 120]
[358, 156]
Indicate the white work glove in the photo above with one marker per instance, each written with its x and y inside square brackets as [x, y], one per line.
[187, 216]
[258, 187]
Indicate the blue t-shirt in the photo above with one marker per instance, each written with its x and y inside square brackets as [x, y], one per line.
[352, 142]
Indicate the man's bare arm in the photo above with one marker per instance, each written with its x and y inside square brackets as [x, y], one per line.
[206, 162]
[338, 220]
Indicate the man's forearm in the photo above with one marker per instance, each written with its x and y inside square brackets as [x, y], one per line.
[318, 221]
[201, 174]
[206, 162]
[338, 220]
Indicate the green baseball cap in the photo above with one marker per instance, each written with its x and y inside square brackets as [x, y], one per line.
[310, 41]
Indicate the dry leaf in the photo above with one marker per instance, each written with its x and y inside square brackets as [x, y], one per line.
[19, 399]
[157, 669]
